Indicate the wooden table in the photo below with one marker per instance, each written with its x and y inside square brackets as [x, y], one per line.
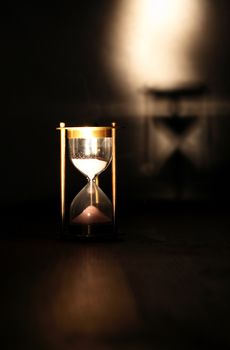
[165, 285]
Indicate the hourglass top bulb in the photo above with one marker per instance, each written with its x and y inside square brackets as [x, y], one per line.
[90, 149]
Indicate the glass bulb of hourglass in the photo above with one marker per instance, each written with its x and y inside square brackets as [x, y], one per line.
[91, 156]
[91, 206]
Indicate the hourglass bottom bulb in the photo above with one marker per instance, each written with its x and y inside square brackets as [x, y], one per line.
[91, 213]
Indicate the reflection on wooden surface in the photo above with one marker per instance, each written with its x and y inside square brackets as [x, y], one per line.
[164, 286]
[83, 300]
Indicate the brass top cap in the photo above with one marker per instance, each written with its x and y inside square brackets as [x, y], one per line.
[89, 131]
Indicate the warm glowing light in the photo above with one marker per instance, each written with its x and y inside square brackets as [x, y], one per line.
[87, 132]
[153, 40]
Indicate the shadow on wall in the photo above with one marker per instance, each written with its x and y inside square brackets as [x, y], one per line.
[183, 148]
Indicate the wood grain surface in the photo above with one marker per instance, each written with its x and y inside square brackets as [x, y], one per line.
[164, 285]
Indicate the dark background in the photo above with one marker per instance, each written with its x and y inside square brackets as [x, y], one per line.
[53, 69]
[165, 283]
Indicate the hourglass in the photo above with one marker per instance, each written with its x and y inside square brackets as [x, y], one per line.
[91, 151]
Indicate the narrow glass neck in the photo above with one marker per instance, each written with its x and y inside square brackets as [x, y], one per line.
[91, 180]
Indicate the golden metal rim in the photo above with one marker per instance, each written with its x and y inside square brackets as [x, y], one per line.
[89, 131]
[85, 127]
